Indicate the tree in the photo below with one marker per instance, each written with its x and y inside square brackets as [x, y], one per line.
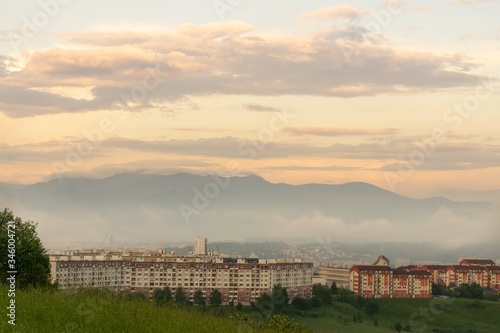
[473, 290]
[322, 293]
[215, 298]
[334, 289]
[264, 305]
[372, 308]
[198, 298]
[239, 307]
[438, 289]
[345, 295]
[477, 291]
[23, 252]
[162, 296]
[180, 296]
[301, 303]
[398, 327]
[279, 296]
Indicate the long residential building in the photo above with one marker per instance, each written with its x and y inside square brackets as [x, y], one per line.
[481, 271]
[379, 280]
[238, 279]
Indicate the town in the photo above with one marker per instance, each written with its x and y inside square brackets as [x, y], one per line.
[243, 280]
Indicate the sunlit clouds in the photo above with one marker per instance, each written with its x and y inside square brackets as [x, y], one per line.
[196, 95]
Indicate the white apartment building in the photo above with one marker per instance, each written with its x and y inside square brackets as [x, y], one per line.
[238, 279]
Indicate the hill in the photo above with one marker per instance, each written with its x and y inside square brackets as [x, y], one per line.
[422, 315]
[100, 312]
[179, 206]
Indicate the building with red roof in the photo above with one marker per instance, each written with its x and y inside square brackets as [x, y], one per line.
[379, 280]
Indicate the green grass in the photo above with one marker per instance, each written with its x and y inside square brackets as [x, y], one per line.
[93, 312]
[423, 315]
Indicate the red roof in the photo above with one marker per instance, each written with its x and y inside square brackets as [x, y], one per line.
[435, 267]
[467, 267]
[407, 272]
[493, 268]
[480, 262]
[371, 268]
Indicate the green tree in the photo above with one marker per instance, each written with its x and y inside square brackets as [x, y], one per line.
[438, 289]
[215, 298]
[345, 295]
[334, 289]
[264, 305]
[279, 296]
[301, 303]
[239, 307]
[23, 252]
[322, 293]
[162, 296]
[473, 290]
[372, 308]
[198, 298]
[180, 297]
[398, 327]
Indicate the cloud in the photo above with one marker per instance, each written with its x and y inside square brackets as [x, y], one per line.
[332, 13]
[451, 4]
[260, 108]
[3, 65]
[146, 70]
[333, 131]
[389, 152]
[443, 222]
[467, 2]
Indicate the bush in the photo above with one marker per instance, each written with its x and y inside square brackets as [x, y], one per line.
[372, 308]
[301, 303]
[283, 323]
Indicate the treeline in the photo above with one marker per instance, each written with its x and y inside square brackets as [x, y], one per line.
[267, 312]
[275, 308]
[465, 290]
[324, 295]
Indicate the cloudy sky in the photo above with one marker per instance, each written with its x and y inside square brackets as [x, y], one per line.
[404, 95]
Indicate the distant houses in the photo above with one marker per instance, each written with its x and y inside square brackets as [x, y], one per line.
[379, 280]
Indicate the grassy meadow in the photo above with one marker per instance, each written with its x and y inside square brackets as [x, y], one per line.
[422, 315]
[94, 311]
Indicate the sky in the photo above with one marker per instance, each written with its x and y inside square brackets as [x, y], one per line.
[400, 94]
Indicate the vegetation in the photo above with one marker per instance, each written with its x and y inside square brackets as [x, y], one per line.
[334, 289]
[162, 296]
[180, 297]
[452, 315]
[372, 308]
[198, 298]
[21, 248]
[97, 311]
[215, 298]
[473, 290]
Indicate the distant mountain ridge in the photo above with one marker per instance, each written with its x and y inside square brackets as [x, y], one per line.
[124, 202]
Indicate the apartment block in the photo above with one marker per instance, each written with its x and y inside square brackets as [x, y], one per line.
[238, 279]
[380, 280]
[333, 274]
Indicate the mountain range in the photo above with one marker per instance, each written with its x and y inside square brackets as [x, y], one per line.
[147, 207]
